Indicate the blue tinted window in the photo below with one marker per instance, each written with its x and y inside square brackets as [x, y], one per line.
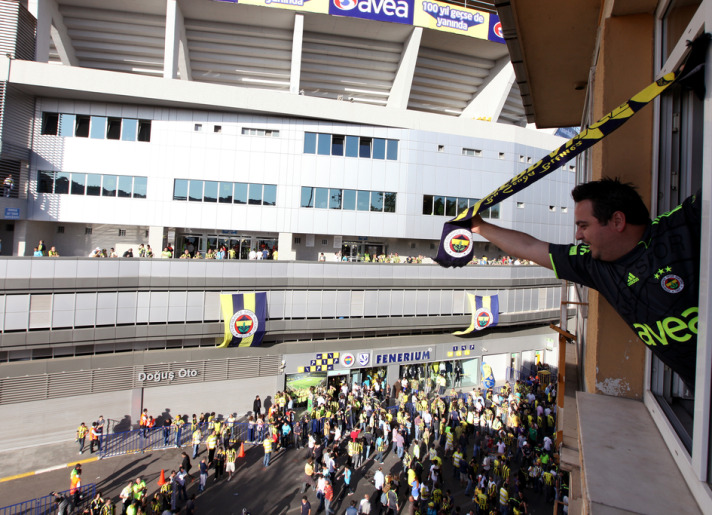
[66, 125]
[108, 186]
[392, 152]
[78, 183]
[364, 147]
[322, 198]
[451, 206]
[439, 206]
[129, 130]
[350, 199]
[309, 143]
[225, 193]
[362, 201]
[389, 204]
[210, 191]
[324, 146]
[351, 146]
[337, 145]
[269, 196]
[140, 186]
[379, 148]
[180, 189]
[494, 211]
[240, 196]
[93, 184]
[461, 205]
[334, 199]
[307, 196]
[195, 192]
[125, 186]
[98, 127]
[255, 194]
[61, 182]
[45, 181]
[376, 201]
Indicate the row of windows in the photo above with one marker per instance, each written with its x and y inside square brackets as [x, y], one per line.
[452, 206]
[96, 127]
[225, 192]
[91, 184]
[358, 200]
[350, 146]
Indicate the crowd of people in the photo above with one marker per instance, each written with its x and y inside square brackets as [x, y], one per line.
[496, 447]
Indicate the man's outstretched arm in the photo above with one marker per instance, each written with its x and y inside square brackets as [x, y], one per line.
[514, 243]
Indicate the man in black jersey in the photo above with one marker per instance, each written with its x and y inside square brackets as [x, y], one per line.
[647, 270]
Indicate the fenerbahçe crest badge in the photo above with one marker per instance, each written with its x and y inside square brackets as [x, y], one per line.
[672, 283]
[458, 243]
[483, 318]
[243, 324]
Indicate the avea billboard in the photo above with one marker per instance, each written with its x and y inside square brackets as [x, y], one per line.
[394, 11]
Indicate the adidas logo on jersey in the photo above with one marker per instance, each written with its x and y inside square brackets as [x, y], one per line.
[632, 279]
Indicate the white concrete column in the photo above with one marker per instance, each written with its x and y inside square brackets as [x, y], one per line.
[155, 239]
[19, 238]
[286, 251]
[170, 56]
[492, 94]
[400, 90]
[38, 9]
[296, 72]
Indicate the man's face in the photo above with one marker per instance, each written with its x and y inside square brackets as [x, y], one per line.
[601, 239]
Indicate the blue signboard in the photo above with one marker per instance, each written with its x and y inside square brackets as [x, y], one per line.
[12, 213]
[495, 29]
[394, 11]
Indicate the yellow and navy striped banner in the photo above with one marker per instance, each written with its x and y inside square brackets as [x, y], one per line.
[485, 313]
[244, 315]
[456, 241]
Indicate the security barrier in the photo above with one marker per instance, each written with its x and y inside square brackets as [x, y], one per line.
[47, 506]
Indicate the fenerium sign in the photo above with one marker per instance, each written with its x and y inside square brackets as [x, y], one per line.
[403, 357]
[170, 375]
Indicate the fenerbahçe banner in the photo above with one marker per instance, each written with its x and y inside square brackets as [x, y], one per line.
[485, 313]
[244, 315]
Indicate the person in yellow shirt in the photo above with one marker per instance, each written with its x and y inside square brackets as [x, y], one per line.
[267, 443]
[82, 431]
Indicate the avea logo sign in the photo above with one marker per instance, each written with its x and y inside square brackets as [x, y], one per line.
[398, 11]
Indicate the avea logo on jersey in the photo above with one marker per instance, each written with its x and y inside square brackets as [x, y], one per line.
[398, 11]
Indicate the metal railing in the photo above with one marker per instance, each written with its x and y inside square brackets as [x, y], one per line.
[47, 506]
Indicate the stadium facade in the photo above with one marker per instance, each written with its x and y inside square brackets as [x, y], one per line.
[304, 128]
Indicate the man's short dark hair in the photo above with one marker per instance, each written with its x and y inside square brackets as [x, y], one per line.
[610, 195]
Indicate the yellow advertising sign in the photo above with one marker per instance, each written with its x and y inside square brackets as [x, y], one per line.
[451, 18]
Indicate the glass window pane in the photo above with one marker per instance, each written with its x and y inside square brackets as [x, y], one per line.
[81, 129]
[66, 125]
[50, 123]
[307, 196]
[269, 195]
[144, 130]
[140, 187]
[240, 195]
[108, 186]
[362, 200]
[334, 199]
[376, 201]
[45, 182]
[451, 206]
[98, 127]
[324, 146]
[79, 181]
[113, 128]
[350, 199]
[61, 182]
[180, 189]
[125, 186]
[195, 191]
[427, 204]
[255, 194]
[461, 205]
[337, 145]
[389, 205]
[473, 201]
[322, 198]
[351, 146]
[392, 152]
[494, 211]
[130, 128]
[379, 148]
[225, 193]
[439, 205]
[485, 213]
[94, 184]
[210, 191]
[309, 143]
[364, 147]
